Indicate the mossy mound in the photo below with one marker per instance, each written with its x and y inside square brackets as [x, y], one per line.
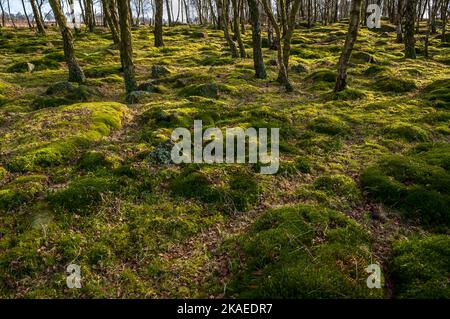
[349, 94]
[406, 131]
[34, 65]
[67, 130]
[418, 184]
[393, 84]
[420, 267]
[302, 252]
[239, 192]
[93, 160]
[330, 125]
[438, 93]
[82, 193]
[210, 90]
[322, 76]
[377, 70]
[21, 190]
[297, 165]
[340, 185]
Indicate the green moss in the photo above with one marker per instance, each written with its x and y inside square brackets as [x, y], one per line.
[302, 252]
[195, 184]
[21, 190]
[377, 70]
[393, 84]
[340, 185]
[93, 160]
[83, 193]
[206, 90]
[420, 190]
[420, 267]
[406, 131]
[73, 135]
[438, 93]
[3, 173]
[322, 76]
[292, 167]
[39, 65]
[244, 191]
[349, 94]
[331, 125]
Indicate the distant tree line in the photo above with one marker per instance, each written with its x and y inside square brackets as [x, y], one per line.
[277, 18]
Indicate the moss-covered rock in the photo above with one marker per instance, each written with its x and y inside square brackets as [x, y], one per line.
[406, 131]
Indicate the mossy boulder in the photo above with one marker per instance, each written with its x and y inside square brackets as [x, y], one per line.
[349, 94]
[420, 267]
[159, 71]
[33, 65]
[298, 68]
[210, 90]
[301, 252]
[323, 76]
[377, 70]
[93, 160]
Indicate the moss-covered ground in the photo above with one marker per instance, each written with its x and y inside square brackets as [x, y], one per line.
[364, 175]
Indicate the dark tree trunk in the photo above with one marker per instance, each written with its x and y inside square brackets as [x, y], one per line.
[258, 60]
[169, 17]
[109, 21]
[352, 34]
[410, 14]
[126, 46]
[89, 15]
[444, 20]
[225, 19]
[75, 72]
[399, 21]
[37, 18]
[237, 31]
[159, 23]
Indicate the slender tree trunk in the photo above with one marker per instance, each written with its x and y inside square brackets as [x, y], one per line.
[37, 18]
[169, 17]
[225, 19]
[159, 23]
[26, 14]
[289, 32]
[341, 80]
[258, 60]
[89, 15]
[3, 13]
[444, 20]
[410, 14]
[399, 22]
[126, 47]
[282, 71]
[237, 31]
[10, 15]
[109, 20]
[75, 72]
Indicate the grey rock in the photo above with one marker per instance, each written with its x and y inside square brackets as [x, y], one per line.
[159, 71]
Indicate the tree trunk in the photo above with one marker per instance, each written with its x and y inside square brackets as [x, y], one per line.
[159, 23]
[444, 20]
[282, 72]
[126, 47]
[89, 15]
[26, 14]
[237, 31]
[37, 18]
[169, 17]
[258, 60]
[410, 13]
[75, 72]
[109, 21]
[225, 19]
[341, 80]
[399, 22]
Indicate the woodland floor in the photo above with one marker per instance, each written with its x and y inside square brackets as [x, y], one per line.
[364, 174]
